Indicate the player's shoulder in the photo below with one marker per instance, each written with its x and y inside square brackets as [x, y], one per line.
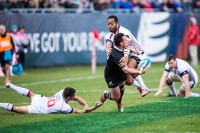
[60, 92]
[181, 64]
[109, 35]
[123, 29]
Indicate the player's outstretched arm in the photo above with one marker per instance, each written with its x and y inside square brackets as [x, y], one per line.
[133, 50]
[90, 109]
[97, 105]
[187, 85]
[128, 70]
[81, 101]
[162, 83]
[108, 48]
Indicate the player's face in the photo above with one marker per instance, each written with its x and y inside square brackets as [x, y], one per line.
[112, 25]
[2, 30]
[125, 41]
[172, 63]
[72, 97]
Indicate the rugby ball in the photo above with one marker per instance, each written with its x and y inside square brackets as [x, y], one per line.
[144, 63]
[17, 69]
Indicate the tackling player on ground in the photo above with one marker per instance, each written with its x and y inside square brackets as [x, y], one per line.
[58, 103]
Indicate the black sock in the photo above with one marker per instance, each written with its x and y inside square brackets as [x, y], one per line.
[122, 93]
[108, 95]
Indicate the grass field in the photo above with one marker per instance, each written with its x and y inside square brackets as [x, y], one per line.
[147, 114]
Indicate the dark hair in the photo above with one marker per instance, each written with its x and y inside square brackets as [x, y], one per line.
[113, 16]
[118, 38]
[171, 57]
[68, 91]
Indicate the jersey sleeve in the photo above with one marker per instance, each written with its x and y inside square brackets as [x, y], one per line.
[108, 38]
[66, 109]
[183, 70]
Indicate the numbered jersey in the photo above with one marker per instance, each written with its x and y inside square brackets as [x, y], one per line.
[45, 105]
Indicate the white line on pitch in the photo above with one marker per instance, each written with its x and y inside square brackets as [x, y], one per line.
[58, 81]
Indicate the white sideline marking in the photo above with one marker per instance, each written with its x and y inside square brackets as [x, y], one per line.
[58, 81]
[164, 101]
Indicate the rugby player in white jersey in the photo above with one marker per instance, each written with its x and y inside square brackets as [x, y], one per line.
[133, 52]
[58, 103]
[178, 70]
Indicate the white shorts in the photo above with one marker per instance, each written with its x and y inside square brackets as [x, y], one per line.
[191, 83]
[141, 56]
[171, 77]
[138, 58]
[37, 105]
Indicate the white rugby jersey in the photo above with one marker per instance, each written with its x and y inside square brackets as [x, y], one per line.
[56, 104]
[133, 42]
[183, 68]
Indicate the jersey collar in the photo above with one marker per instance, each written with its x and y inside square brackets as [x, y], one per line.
[117, 48]
[65, 99]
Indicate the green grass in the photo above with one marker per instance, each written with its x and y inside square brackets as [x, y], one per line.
[148, 114]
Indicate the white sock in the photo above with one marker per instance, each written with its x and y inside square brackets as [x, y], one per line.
[172, 89]
[135, 83]
[20, 90]
[140, 81]
[194, 94]
[6, 106]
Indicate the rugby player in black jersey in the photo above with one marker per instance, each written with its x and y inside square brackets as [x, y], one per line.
[115, 74]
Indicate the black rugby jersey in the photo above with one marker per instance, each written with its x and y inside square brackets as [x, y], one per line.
[112, 70]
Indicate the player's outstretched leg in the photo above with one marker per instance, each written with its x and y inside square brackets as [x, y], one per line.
[144, 90]
[20, 90]
[132, 82]
[7, 106]
[181, 92]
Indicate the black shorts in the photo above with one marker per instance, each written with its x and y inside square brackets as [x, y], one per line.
[113, 83]
[6, 57]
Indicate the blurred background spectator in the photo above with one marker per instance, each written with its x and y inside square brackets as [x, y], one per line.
[193, 39]
[24, 43]
[196, 5]
[136, 6]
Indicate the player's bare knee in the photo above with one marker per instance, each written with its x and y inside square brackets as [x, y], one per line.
[129, 82]
[31, 94]
[181, 92]
[15, 109]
